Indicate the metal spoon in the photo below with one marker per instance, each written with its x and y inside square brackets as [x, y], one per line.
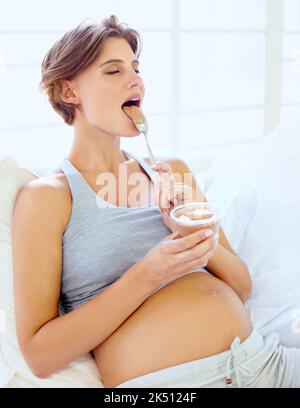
[141, 124]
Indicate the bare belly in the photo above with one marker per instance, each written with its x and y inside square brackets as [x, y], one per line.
[192, 317]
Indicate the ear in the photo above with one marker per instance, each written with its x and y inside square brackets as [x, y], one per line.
[67, 93]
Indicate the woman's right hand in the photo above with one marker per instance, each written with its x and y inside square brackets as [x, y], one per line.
[176, 256]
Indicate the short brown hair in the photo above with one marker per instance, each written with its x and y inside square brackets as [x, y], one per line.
[74, 52]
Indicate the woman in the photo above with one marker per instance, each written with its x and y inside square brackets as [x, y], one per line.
[135, 295]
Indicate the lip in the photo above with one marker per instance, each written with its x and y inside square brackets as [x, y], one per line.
[134, 96]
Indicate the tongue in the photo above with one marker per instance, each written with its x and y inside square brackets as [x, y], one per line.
[135, 113]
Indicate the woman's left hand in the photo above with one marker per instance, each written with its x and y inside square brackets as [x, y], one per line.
[169, 193]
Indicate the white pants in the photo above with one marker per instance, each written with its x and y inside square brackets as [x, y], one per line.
[257, 362]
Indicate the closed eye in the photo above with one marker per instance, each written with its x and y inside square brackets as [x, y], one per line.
[115, 72]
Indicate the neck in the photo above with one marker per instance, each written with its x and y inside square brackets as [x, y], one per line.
[96, 152]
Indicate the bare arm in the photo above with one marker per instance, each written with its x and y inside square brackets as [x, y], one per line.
[48, 341]
[232, 270]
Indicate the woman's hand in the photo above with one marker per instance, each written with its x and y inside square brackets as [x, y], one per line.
[174, 257]
[168, 192]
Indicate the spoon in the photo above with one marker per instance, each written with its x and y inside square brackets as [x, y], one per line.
[141, 124]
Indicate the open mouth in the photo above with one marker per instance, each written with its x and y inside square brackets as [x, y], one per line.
[131, 102]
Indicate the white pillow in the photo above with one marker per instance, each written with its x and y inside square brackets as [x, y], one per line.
[259, 191]
[14, 371]
[237, 203]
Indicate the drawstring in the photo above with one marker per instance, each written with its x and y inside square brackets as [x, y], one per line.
[238, 367]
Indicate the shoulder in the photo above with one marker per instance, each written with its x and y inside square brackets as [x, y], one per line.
[51, 185]
[177, 165]
[45, 196]
[183, 174]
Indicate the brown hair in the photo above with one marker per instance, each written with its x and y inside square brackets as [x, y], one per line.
[74, 52]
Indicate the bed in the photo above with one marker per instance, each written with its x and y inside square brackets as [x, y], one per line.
[259, 194]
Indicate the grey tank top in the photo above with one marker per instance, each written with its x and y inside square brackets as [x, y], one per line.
[102, 241]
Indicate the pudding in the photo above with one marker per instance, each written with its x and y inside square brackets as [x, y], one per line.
[194, 216]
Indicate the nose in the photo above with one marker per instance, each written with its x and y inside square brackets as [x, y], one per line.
[133, 80]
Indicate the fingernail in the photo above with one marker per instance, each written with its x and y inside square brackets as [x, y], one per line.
[208, 233]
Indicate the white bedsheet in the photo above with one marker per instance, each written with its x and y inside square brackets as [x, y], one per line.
[265, 182]
[6, 373]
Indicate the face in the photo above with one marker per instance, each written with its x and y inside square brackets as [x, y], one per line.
[103, 87]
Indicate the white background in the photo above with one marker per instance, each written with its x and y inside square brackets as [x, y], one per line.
[219, 74]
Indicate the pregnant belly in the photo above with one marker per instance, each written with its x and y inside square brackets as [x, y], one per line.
[192, 317]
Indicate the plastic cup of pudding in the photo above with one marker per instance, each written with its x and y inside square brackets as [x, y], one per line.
[191, 217]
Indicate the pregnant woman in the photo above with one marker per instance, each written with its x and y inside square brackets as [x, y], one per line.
[134, 292]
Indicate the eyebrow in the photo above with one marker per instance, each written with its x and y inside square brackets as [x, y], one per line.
[117, 60]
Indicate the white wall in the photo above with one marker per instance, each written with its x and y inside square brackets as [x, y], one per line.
[218, 73]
